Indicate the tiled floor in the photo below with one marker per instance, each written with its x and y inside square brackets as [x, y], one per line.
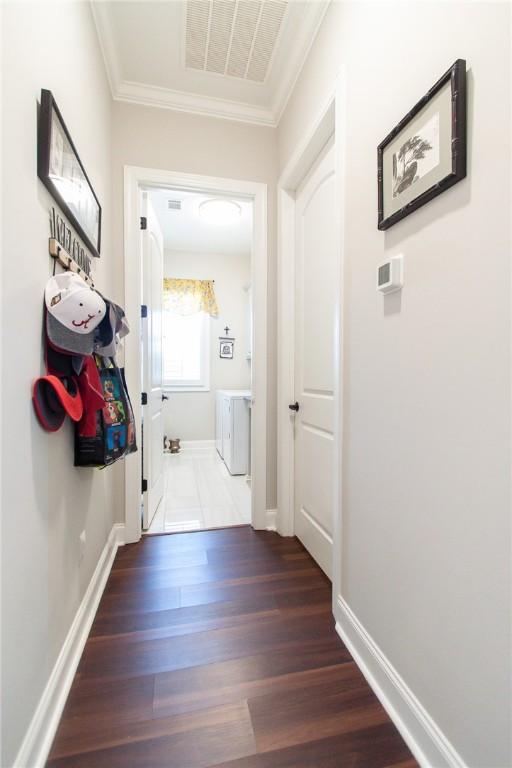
[200, 493]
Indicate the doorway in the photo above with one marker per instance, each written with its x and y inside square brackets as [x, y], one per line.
[196, 360]
[207, 357]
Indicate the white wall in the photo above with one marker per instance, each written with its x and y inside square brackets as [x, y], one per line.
[176, 141]
[426, 476]
[191, 415]
[46, 502]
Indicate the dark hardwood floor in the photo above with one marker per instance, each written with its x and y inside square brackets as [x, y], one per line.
[218, 648]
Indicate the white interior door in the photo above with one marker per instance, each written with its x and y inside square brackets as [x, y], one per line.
[152, 414]
[315, 287]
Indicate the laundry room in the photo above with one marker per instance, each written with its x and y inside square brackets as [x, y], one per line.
[203, 242]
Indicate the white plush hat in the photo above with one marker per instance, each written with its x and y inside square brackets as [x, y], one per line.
[76, 306]
[73, 312]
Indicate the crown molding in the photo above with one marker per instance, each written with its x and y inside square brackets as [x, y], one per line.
[182, 101]
[296, 59]
[146, 94]
[106, 42]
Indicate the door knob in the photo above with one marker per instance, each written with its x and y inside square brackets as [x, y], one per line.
[294, 407]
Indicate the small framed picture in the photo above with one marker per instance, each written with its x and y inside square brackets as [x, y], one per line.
[226, 348]
[425, 153]
[62, 173]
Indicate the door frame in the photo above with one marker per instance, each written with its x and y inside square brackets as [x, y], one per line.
[329, 120]
[135, 180]
[153, 232]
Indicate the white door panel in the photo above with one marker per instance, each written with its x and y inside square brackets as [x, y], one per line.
[317, 463]
[317, 285]
[315, 291]
[152, 414]
[317, 410]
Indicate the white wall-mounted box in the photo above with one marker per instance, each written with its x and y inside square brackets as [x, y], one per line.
[390, 274]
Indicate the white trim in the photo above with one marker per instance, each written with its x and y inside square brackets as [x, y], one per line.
[196, 444]
[285, 360]
[340, 162]
[422, 735]
[41, 731]
[301, 161]
[193, 103]
[106, 42]
[146, 94]
[136, 178]
[271, 524]
[306, 36]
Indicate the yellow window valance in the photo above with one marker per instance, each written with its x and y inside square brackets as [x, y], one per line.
[186, 297]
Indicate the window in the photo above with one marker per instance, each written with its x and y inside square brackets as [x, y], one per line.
[186, 351]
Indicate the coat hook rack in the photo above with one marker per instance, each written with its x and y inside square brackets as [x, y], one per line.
[63, 257]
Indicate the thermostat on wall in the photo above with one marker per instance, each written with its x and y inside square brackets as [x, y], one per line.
[390, 275]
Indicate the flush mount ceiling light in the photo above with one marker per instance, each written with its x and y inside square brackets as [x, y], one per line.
[221, 212]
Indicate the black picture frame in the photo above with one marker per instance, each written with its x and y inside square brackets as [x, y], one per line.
[226, 348]
[48, 149]
[456, 75]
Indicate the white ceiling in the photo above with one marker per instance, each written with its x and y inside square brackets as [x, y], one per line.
[237, 59]
[186, 230]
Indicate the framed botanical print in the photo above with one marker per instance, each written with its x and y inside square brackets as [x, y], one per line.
[426, 152]
[62, 173]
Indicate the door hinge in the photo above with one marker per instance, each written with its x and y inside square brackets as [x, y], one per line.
[143, 222]
[143, 310]
[144, 485]
[143, 398]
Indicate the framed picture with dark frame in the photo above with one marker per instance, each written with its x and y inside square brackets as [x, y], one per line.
[226, 347]
[425, 153]
[60, 169]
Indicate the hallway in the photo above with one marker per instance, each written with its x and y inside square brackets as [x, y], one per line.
[276, 232]
[218, 649]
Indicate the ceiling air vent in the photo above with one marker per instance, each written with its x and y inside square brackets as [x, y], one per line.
[174, 205]
[233, 37]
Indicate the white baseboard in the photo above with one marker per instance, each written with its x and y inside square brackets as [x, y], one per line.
[185, 444]
[43, 726]
[271, 519]
[422, 735]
